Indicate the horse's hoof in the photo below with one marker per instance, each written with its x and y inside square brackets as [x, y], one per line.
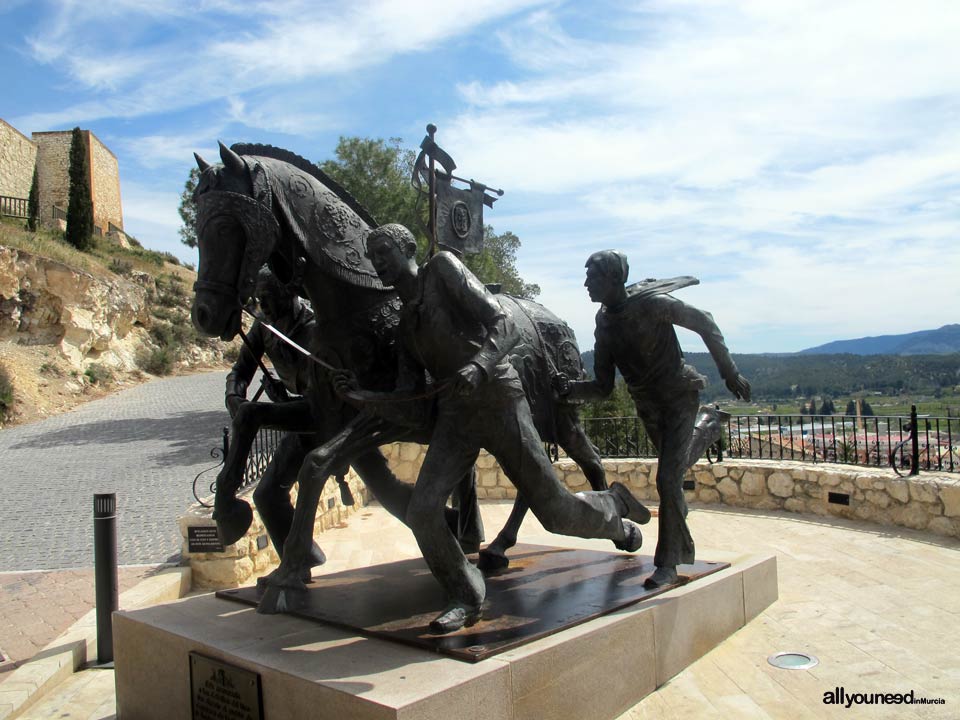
[281, 596]
[491, 562]
[234, 518]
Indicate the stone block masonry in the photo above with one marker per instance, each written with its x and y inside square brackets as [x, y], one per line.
[930, 501]
[105, 184]
[18, 156]
[49, 153]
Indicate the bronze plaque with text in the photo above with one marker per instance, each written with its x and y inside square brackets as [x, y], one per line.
[220, 691]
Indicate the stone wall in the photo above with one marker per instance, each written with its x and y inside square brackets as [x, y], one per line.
[53, 168]
[18, 157]
[253, 554]
[929, 501]
[53, 172]
[105, 183]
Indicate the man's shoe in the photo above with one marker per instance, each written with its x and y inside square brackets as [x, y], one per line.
[632, 540]
[454, 618]
[630, 507]
[661, 577]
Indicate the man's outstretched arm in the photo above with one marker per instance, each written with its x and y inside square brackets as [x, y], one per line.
[702, 323]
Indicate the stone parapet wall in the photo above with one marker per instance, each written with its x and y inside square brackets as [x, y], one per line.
[18, 157]
[929, 501]
[253, 554]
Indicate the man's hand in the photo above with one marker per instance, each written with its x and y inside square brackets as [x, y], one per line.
[344, 382]
[561, 384]
[467, 379]
[739, 386]
[233, 404]
[275, 389]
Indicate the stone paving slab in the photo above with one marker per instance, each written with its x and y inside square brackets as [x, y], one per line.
[39, 606]
[145, 444]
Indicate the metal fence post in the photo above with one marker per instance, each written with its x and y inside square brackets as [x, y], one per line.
[105, 570]
[915, 437]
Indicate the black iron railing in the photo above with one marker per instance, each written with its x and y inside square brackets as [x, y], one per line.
[14, 206]
[261, 452]
[58, 213]
[907, 444]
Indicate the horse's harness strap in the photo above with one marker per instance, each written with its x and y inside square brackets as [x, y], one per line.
[218, 287]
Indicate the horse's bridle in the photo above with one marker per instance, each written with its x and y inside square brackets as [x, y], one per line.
[220, 288]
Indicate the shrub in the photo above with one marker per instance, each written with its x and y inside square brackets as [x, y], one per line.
[170, 258]
[158, 361]
[231, 353]
[51, 369]
[97, 373]
[120, 267]
[6, 392]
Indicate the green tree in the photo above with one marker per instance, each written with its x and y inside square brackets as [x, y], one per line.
[851, 408]
[33, 202]
[188, 210]
[377, 173]
[80, 207]
[498, 264]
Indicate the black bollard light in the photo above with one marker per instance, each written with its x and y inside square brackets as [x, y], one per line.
[105, 570]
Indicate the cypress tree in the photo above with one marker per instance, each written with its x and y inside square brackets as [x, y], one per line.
[80, 208]
[33, 202]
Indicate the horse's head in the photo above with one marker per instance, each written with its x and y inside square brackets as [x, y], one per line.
[236, 232]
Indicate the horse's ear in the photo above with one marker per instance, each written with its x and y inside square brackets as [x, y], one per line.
[231, 160]
[201, 163]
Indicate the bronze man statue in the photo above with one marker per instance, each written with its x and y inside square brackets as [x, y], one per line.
[635, 334]
[452, 328]
[282, 309]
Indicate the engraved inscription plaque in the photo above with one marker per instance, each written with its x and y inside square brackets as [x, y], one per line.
[203, 538]
[220, 691]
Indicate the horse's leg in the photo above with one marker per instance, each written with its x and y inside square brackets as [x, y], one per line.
[494, 556]
[469, 522]
[574, 441]
[572, 438]
[234, 516]
[284, 587]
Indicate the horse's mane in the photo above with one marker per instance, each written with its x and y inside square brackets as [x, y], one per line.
[308, 167]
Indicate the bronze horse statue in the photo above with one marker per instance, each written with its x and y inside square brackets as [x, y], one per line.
[264, 205]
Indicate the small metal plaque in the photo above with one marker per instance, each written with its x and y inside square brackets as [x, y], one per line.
[220, 691]
[203, 538]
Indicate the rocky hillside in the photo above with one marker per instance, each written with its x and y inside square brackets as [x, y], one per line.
[75, 325]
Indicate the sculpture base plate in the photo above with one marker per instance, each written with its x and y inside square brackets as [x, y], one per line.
[545, 590]
[597, 669]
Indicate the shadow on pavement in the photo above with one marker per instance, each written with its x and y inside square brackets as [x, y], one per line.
[188, 436]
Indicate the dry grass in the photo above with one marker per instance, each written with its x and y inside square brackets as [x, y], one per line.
[50, 244]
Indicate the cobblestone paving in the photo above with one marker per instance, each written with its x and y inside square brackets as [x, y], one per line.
[144, 444]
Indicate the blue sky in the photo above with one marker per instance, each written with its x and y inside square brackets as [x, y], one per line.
[801, 158]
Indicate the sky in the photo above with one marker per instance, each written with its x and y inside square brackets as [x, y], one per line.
[800, 157]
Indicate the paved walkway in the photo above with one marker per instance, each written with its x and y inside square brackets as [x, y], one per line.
[145, 444]
[878, 606]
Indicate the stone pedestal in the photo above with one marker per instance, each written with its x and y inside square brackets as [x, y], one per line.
[597, 669]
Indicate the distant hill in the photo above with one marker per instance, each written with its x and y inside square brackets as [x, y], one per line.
[925, 342]
[779, 376]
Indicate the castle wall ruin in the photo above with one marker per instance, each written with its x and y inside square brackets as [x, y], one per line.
[49, 153]
[18, 156]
